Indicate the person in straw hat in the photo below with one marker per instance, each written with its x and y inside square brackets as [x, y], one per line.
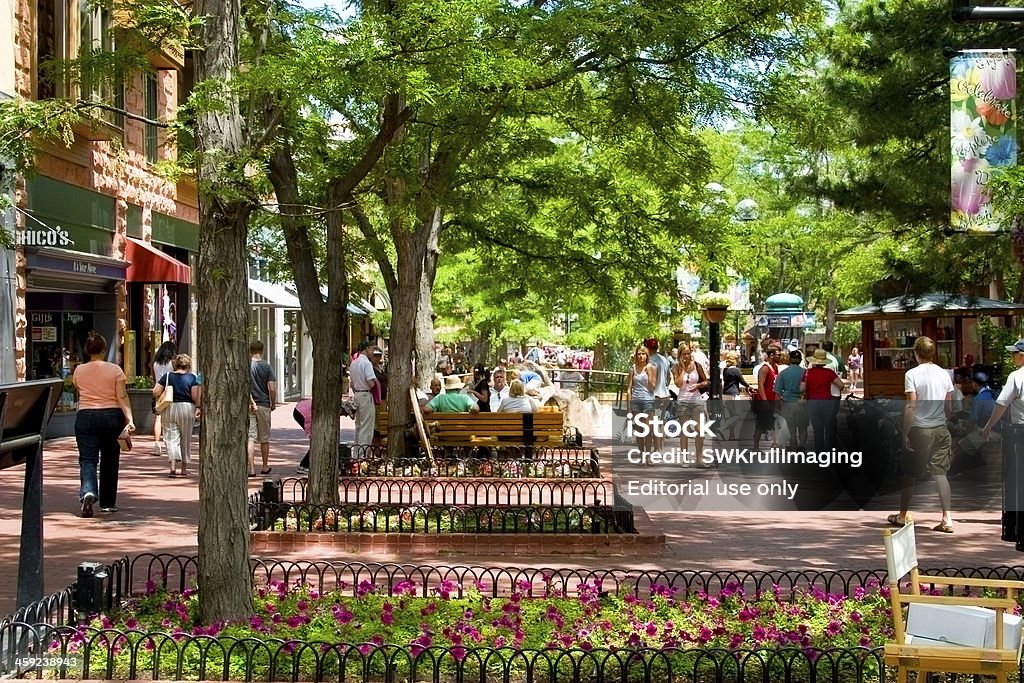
[452, 400]
[816, 387]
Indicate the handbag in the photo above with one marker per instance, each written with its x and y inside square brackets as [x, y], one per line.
[165, 399]
[125, 440]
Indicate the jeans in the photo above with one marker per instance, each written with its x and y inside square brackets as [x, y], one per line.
[822, 422]
[96, 433]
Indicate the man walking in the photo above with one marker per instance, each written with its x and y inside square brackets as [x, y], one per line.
[1012, 395]
[363, 379]
[263, 400]
[926, 440]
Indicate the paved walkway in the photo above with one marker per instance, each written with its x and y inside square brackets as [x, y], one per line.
[159, 515]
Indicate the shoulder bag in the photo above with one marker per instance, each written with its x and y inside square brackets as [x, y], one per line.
[166, 398]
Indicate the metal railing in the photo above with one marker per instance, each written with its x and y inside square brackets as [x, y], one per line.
[51, 627]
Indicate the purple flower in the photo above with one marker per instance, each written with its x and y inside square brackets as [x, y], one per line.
[150, 586]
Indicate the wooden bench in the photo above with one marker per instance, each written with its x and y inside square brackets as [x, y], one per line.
[543, 428]
[472, 429]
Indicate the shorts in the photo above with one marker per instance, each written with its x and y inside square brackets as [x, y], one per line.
[764, 412]
[690, 410]
[795, 413]
[931, 451]
[259, 425]
[642, 405]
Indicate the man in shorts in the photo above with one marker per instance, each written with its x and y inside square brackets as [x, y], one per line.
[926, 439]
[263, 400]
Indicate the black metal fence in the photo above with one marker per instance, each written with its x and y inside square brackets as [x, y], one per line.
[455, 491]
[50, 630]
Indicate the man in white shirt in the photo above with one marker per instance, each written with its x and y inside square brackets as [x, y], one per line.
[926, 440]
[362, 379]
[1012, 395]
[499, 388]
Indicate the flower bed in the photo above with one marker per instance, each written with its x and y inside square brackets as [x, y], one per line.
[536, 632]
[448, 519]
[548, 468]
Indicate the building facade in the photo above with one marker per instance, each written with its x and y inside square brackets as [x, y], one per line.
[101, 241]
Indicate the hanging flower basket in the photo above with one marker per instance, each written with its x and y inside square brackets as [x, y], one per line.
[715, 314]
[714, 305]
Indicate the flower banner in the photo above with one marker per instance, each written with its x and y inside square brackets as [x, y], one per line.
[983, 132]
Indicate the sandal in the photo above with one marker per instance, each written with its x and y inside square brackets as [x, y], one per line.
[894, 520]
[944, 528]
[266, 471]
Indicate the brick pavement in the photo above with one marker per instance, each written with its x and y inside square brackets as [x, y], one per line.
[158, 514]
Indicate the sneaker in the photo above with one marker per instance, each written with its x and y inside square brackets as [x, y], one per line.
[301, 470]
[87, 501]
[112, 508]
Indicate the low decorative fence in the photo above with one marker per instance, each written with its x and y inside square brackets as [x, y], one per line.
[60, 637]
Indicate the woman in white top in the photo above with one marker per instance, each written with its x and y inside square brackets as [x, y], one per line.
[643, 377]
[162, 364]
[691, 383]
[517, 401]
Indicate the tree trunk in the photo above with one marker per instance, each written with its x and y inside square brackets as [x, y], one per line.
[326, 320]
[225, 583]
[424, 323]
[404, 305]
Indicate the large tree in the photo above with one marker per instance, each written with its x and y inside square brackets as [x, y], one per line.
[225, 204]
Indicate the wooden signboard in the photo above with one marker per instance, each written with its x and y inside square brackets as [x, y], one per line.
[421, 426]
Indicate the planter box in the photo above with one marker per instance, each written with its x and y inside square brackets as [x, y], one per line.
[142, 409]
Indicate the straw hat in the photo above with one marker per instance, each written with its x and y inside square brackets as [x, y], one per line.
[819, 358]
[453, 383]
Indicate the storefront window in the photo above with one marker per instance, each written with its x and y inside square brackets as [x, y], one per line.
[292, 334]
[56, 346]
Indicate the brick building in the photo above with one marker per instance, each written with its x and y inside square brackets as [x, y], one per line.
[101, 241]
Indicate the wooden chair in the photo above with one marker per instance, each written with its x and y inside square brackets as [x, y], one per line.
[951, 633]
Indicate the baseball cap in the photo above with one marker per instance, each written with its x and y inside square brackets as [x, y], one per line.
[1018, 347]
[981, 378]
[378, 352]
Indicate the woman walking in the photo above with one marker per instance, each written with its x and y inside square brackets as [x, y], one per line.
[691, 383]
[161, 366]
[816, 387]
[103, 414]
[643, 377]
[181, 414]
[732, 380]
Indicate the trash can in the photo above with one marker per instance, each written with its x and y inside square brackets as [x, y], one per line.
[1013, 485]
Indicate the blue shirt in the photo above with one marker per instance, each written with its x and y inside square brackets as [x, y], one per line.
[982, 406]
[787, 384]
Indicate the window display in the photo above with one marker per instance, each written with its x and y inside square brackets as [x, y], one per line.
[56, 347]
[894, 343]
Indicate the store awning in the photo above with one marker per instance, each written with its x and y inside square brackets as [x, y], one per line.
[149, 264]
[932, 304]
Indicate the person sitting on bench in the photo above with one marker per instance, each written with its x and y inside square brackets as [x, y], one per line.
[452, 401]
[517, 401]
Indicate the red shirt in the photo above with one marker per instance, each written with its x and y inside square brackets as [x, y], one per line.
[769, 382]
[818, 380]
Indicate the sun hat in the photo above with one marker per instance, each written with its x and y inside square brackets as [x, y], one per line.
[453, 383]
[819, 358]
[1018, 347]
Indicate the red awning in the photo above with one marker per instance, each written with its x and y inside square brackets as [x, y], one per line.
[149, 264]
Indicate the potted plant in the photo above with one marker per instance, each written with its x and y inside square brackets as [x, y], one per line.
[714, 305]
[140, 395]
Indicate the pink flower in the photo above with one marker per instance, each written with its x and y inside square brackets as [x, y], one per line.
[998, 77]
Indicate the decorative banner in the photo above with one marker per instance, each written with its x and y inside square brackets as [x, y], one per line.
[983, 132]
